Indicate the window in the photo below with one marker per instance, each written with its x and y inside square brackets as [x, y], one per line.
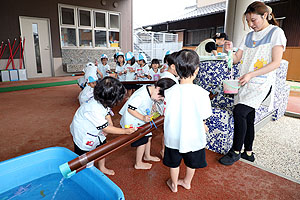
[88, 28]
[194, 37]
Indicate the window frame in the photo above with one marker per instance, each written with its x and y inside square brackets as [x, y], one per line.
[93, 27]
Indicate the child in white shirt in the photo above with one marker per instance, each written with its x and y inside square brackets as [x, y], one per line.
[91, 70]
[134, 113]
[103, 66]
[186, 106]
[92, 121]
[171, 71]
[142, 71]
[154, 71]
[130, 67]
[120, 67]
[88, 92]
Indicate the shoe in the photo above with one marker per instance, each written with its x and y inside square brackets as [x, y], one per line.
[245, 156]
[230, 158]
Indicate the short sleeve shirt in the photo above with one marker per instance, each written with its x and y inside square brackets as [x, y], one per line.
[86, 94]
[87, 125]
[186, 106]
[167, 74]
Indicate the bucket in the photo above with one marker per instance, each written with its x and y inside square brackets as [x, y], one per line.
[231, 86]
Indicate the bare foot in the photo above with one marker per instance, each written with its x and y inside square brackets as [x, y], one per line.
[151, 158]
[143, 166]
[183, 184]
[107, 171]
[172, 187]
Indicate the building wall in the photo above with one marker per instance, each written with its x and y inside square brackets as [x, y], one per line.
[11, 10]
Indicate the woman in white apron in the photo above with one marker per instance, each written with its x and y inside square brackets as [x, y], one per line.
[260, 54]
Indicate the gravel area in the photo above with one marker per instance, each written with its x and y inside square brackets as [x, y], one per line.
[277, 147]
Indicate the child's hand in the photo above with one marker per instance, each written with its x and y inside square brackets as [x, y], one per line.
[128, 131]
[125, 71]
[147, 118]
[228, 45]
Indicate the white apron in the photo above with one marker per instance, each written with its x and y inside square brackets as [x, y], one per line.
[256, 55]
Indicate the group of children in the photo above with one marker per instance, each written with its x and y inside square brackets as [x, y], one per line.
[184, 137]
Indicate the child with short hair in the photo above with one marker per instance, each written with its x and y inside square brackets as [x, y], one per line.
[92, 121]
[134, 113]
[165, 65]
[120, 68]
[171, 71]
[154, 71]
[186, 106]
[142, 71]
[88, 92]
[103, 66]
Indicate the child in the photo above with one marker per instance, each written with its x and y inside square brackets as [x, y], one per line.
[134, 113]
[154, 72]
[88, 92]
[120, 68]
[91, 70]
[103, 67]
[142, 71]
[165, 65]
[91, 122]
[171, 72]
[186, 105]
[130, 67]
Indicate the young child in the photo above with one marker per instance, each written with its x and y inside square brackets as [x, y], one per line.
[171, 72]
[103, 67]
[88, 92]
[165, 65]
[142, 71]
[120, 68]
[134, 113]
[154, 71]
[92, 122]
[91, 70]
[130, 67]
[186, 105]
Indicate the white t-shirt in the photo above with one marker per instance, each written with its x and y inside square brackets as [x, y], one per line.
[186, 106]
[121, 69]
[130, 76]
[86, 94]
[155, 76]
[140, 100]
[167, 74]
[142, 71]
[278, 37]
[88, 122]
[103, 69]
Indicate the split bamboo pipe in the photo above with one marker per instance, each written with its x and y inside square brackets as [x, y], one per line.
[74, 166]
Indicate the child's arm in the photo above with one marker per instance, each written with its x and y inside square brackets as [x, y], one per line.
[136, 114]
[101, 75]
[114, 130]
[205, 127]
[108, 118]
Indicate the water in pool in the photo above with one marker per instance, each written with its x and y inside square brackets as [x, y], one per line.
[52, 186]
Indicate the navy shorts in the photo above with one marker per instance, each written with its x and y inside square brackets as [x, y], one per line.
[193, 159]
[80, 152]
[141, 141]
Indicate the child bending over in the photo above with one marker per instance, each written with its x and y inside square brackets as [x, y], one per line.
[186, 106]
[134, 113]
[92, 121]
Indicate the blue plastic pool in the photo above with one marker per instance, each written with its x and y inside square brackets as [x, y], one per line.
[36, 176]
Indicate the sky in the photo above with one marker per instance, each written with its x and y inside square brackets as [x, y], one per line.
[147, 12]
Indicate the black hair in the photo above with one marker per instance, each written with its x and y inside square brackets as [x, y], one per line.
[165, 58]
[144, 62]
[163, 84]
[220, 35]
[109, 91]
[103, 58]
[155, 61]
[187, 61]
[132, 61]
[171, 59]
[118, 63]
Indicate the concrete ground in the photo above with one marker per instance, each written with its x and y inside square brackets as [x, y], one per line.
[39, 118]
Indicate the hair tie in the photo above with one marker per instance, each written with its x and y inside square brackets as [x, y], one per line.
[218, 34]
[269, 12]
